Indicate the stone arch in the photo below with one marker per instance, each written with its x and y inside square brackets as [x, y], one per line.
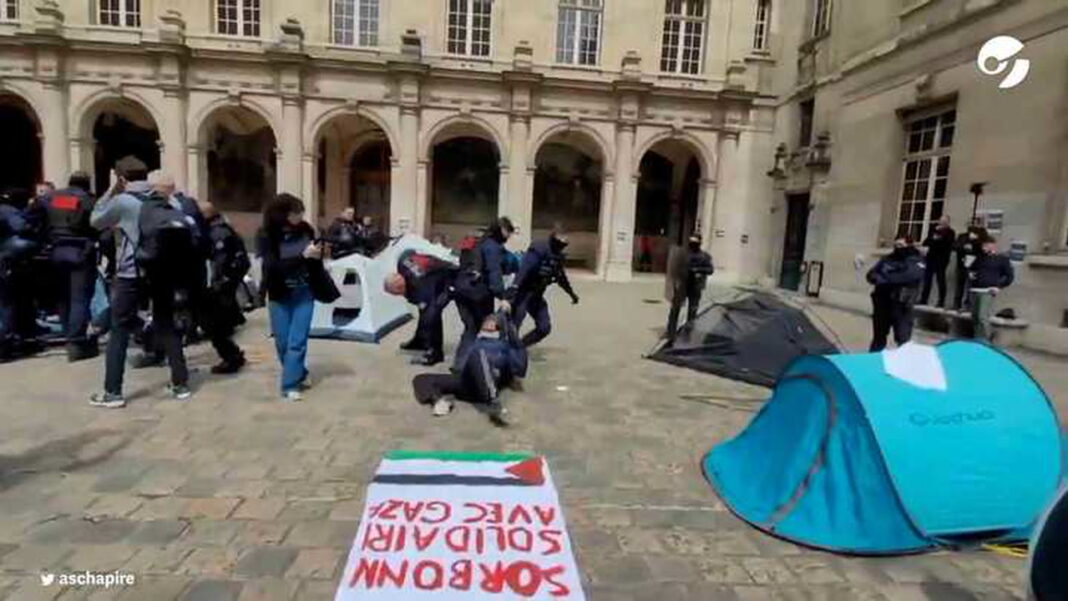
[113, 123]
[22, 152]
[202, 117]
[23, 93]
[462, 126]
[594, 140]
[705, 157]
[92, 106]
[313, 130]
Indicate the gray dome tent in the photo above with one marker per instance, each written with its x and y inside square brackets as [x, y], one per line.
[752, 339]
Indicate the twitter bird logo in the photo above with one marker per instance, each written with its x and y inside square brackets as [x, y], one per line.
[47, 579]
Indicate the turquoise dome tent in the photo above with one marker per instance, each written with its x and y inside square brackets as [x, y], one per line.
[853, 454]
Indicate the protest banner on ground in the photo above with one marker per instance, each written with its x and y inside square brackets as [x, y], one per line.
[452, 526]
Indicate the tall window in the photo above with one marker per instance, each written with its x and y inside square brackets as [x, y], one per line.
[578, 32]
[763, 24]
[238, 17]
[10, 10]
[821, 18]
[469, 27]
[684, 33]
[120, 13]
[923, 193]
[356, 22]
[807, 114]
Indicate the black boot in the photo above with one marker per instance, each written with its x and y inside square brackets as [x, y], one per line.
[428, 359]
[80, 351]
[148, 360]
[413, 345]
[229, 366]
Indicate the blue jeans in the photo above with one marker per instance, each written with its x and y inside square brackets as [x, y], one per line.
[290, 323]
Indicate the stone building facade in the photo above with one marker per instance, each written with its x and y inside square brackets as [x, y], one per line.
[632, 122]
[886, 121]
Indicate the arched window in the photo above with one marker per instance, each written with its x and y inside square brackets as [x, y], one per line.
[120, 13]
[578, 32]
[355, 22]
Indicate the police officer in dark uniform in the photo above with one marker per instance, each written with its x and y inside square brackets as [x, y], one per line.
[897, 278]
[16, 246]
[220, 313]
[689, 285]
[542, 266]
[72, 254]
[495, 359]
[427, 282]
[343, 235]
[481, 279]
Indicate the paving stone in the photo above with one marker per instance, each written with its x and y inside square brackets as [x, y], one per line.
[31, 590]
[212, 509]
[259, 509]
[210, 561]
[163, 508]
[672, 569]
[269, 590]
[300, 510]
[352, 511]
[723, 570]
[262, 533]
[813, 569]
[33, 558]
[317, 563]
[157, 560]
[158, 532]
[113, 506]
[215, 533]
[766, 570]
[270, 562]
[213, 590]
[322, 534]
[621, 570]
[101, 558]
[637, 541]
[155, 588]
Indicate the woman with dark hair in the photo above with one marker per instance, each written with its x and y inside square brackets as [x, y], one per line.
[287, 247]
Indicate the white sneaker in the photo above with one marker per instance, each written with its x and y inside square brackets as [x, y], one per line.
[442, 407]
[293, 396]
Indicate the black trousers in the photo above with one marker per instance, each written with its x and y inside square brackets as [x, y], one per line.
[888, 314]
[219, 317]
[430, 330]
[935, 271]
[475, 383]
[961, 281]
[534, 304]
[76, 284]
[125, 295]
[472, 314]
[693, 302]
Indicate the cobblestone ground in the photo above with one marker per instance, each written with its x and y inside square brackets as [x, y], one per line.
[234, 495]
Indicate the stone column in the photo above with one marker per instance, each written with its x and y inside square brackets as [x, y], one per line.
[621, 246]
[407, 201]
[729, 212]
[292, 146]
[604, 224]
[196, 173]
[52, 115]
[502, 189]
[707, 213]
[307, 179]
[520, 205]
[422, 199]
[172, 135]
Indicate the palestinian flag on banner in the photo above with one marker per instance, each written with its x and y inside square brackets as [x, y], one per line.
[460, 469]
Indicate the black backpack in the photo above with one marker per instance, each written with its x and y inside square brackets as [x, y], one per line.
[168, 240]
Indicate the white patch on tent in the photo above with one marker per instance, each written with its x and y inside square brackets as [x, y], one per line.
[917, 364]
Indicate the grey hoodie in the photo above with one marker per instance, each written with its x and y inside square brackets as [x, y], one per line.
[122, 210]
